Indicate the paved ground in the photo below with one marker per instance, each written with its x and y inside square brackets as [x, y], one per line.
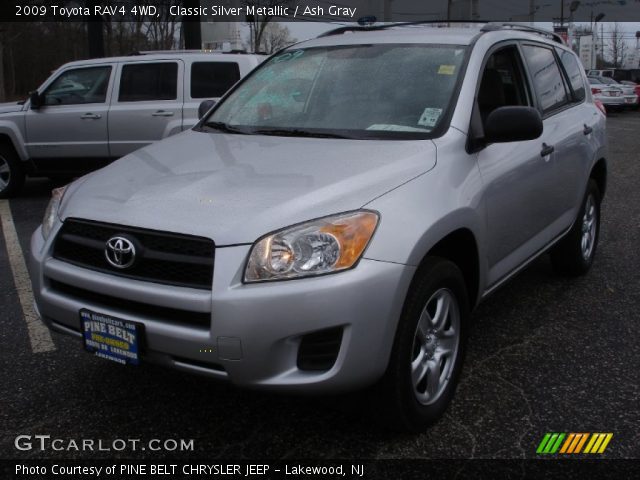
[546, 354]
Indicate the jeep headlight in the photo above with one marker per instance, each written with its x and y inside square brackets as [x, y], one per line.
[51, 213]
[326, 245]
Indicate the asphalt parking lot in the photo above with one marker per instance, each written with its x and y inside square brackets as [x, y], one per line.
[546, 354]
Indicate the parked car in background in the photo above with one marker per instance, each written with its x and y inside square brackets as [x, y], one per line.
[619, 74]
[331, 223]
[628, 91]
[611, 97]
[601, 73]
[90, 112]
[635, 85]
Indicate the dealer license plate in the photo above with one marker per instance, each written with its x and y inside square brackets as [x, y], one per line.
[111, 338]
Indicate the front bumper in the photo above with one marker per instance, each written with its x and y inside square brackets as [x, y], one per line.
[254, 332]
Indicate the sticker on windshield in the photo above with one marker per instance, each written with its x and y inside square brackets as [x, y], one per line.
[288, 56]
[430, 117]
[395, 128]
[446, 69]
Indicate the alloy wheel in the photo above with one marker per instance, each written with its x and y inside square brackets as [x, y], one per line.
[589, 228]
[5, 173]
[435, 346]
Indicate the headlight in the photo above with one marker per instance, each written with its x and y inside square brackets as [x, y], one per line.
[327, 245]
[51, 213]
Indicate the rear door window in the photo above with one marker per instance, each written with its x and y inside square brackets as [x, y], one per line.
[546, 76]
[149, 81]
[574, 74]
[213, 79]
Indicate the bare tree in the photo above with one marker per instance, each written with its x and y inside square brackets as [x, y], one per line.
[274, 37]
[258, 23]
[162, 31]
[8, 35]
[618, 48]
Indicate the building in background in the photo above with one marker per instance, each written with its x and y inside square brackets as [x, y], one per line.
[219, 32]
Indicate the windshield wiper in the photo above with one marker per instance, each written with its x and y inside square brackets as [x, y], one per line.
[294, 132]
[225, 127]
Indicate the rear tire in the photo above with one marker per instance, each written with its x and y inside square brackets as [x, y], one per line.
[428, 350]
[11, 172]
[574, 255]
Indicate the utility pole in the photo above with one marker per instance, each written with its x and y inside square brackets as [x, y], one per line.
[532, 11]
[95, 35]
[191, 27]
[602, 42]
[386, 11]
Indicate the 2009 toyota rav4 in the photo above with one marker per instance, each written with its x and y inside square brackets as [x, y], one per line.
[333, 220]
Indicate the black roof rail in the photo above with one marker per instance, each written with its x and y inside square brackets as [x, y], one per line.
[178, 52]
[488, 27]
[495, 26]
[370, 28]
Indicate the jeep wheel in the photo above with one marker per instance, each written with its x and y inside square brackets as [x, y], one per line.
[574, 254]
[428, 350]
[11, 172]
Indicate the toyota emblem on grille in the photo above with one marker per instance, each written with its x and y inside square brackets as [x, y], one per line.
[120, 252]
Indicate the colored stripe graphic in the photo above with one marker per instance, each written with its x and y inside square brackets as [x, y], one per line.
[544, 441]
[567, 443]
[556, 446]
[606, 441]
[583, 439]
[550, 443]
[573, 443]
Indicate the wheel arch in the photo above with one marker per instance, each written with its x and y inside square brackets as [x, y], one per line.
[9, 135]
[459, 246]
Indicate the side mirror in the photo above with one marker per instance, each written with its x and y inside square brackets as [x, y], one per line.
[512, 124]
[204, 107]
[35, 100]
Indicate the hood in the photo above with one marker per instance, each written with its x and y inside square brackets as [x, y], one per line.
[10, 107]
[236, 188]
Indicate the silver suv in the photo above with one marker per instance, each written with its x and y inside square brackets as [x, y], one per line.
[332, 222]
[90, 112]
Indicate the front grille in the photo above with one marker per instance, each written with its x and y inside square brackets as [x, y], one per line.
[318, 351]
[155, 312]
[161, 257]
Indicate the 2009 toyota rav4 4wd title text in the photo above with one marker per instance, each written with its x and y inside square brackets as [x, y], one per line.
[333, 220]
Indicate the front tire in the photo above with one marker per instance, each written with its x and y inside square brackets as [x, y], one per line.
[428, 350]
[574, 255]
[11, 172]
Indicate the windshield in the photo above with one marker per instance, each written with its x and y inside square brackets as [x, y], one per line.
[355, 91]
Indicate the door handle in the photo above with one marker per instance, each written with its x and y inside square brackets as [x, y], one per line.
[162, 113]
[587, 129]
[546, 150]
[91, 116]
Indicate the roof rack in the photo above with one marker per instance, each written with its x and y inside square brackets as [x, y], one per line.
[178, 52]
[495, 26]
[488, 27]
[369, 28]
